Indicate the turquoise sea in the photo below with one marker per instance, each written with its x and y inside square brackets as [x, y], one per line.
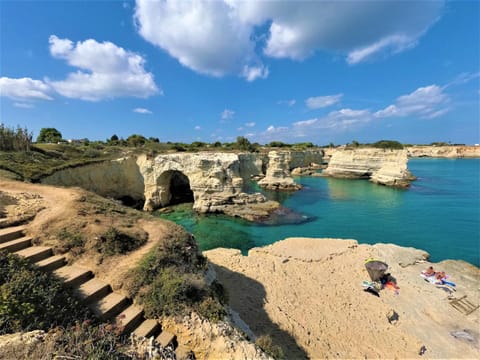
[439, 213]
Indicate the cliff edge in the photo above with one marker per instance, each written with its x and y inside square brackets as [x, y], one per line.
[308, 294]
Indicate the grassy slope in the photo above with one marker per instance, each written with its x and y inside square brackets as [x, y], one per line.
[45, 159]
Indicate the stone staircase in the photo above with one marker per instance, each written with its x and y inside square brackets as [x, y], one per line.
[97, 295]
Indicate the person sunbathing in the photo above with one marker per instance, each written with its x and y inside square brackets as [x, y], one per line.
[429, 271]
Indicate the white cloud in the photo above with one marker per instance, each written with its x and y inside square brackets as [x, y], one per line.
[250, 124]
[234, 36]
[205, 36]
[227, 114]
[197, 128]
[322, 101]
[426, 102]
[290, 102]
[25, 89]
[23, 105]
[396, 43]
[251, 73]
[106, 71]
[142, 111]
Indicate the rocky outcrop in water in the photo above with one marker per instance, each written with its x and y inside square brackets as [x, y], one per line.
[278, 175]
[381, 166]
[214, 180]
[444, 151]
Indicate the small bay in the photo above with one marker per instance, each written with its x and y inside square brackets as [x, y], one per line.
[439, 213]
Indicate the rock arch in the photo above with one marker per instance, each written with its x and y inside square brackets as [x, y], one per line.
[174, 188]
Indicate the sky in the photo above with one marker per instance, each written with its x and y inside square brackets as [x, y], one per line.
[291, 71]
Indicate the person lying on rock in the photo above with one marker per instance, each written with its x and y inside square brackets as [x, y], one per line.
[429, 271]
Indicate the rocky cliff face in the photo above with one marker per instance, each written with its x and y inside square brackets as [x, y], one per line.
[280, 165]
[214, 182]
[386, 167]
[444, 151]
[278, 175]
[116, 179]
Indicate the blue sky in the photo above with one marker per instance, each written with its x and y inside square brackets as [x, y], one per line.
[292, 71]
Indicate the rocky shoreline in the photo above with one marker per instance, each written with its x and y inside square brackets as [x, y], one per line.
[307, 294]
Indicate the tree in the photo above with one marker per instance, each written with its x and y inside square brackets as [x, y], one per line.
[388, 144]
[136, 140]
[244, 144]
[49, 135]
[114, 138]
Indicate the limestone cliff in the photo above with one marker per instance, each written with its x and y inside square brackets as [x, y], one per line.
[444, 151]
[116, 179]
[307, 294]
[382, 166]
[213, 182]
[278, 175]
[280, 165]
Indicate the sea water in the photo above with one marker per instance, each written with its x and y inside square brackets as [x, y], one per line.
[439, 213]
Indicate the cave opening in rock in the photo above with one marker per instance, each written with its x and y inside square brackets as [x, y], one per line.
[131, 202]
[177, 188]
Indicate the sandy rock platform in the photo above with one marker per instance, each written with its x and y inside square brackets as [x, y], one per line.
[307, 294]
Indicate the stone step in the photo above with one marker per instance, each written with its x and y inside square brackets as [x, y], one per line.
[73, 276]
[51, 263]
[92, 290]
[35, 253]
[147, 328]
[17, 244]
[129, 318]
[167, 338]
[3, 222]
[109, 306]
[11, 233]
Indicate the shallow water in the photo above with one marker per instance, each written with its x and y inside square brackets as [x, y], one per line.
[439, 213]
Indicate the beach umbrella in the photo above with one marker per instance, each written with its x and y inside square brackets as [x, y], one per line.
[376, 268]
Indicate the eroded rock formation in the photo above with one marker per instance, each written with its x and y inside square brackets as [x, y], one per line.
[115, 179]
[444, 151]
[215, 181]
[278, 175]
[386, 167]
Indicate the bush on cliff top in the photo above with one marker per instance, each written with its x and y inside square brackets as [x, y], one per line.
[31, 299]
[169, 281]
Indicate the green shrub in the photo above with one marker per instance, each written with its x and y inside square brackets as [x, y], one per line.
[71, 241]
[30, 299]
[169, 281]
[265, 343]
[92, 153]
[170, 293]
[388, 144]
[219, 291]
[115, 242]
[211, 310]
[81, 341]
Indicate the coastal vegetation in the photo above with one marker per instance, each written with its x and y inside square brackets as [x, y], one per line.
[170, 281]
[22, 159]
[31, 299]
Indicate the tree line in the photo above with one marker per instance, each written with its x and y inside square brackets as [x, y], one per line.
[20, 139]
